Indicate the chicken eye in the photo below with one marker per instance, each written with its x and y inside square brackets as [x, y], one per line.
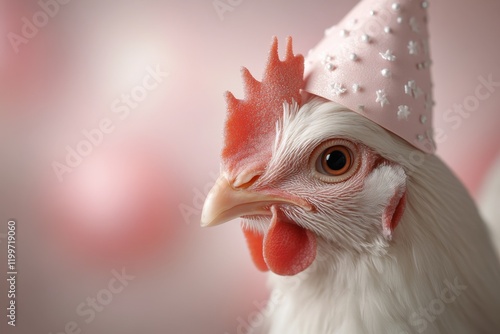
[335, 160]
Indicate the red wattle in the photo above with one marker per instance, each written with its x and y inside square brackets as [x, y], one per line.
[288, 248]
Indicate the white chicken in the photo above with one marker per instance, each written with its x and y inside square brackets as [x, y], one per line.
[363, 232]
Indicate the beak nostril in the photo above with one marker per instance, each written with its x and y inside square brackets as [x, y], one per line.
[249, 183]
[245, 180]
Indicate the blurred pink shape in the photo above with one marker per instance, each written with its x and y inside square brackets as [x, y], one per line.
[118, 205]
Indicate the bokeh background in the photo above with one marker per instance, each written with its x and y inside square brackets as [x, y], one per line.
[133, 203]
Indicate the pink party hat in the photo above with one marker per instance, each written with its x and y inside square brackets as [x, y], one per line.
[376, 62]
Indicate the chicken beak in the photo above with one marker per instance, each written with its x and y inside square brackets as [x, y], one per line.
[225, 202]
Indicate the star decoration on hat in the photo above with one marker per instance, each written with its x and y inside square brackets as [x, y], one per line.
[413, 48]
[412, 89]
[381, 97]
[388, 55]
[403, 112]
[338, 89]
[414, 25]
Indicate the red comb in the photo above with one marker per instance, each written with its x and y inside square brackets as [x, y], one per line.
[251, 122]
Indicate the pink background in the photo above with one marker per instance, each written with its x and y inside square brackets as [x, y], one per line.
[162, 158]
